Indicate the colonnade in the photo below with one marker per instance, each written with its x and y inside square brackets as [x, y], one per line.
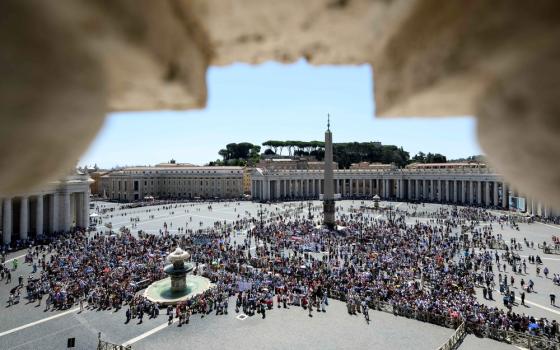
[486, 190]
[59, 207]
[29, 216]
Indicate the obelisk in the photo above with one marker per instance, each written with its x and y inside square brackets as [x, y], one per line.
[328, 196]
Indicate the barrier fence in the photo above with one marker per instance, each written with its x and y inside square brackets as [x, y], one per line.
[104, 345]
[550, 249]
[520, 339]
[456, 338]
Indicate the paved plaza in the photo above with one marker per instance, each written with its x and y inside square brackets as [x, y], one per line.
[28, 326]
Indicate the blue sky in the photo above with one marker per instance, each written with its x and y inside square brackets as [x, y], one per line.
[278, 102]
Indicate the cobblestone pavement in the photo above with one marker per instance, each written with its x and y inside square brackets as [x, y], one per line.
[27, 326]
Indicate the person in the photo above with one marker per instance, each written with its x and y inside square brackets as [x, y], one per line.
[365, 310]
[324, 301]
[128, 315]
[522, 297]
[170, 317]
[553, 299]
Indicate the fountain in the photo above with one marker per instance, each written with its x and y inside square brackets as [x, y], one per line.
[178, 286]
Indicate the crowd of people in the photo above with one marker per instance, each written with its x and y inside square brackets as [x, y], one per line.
[420, 261]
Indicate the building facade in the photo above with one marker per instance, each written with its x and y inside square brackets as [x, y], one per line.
[59, 206]
[302, 163]
[476, 185]
[247, 180]
[173, 181]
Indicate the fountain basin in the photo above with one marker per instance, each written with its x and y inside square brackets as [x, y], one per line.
[162, 292]
[178, 269]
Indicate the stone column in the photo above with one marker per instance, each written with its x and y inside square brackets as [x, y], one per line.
[39, 216]
[360, 189]
[505, 201]
[385, 188]
[479, 192]
[433, 190]
[455, 190]
[439, 194]
[471, 192]
[79, 203]
[496, 197]
[487, 191]
[24, 218]
[86, 208]
[337, 186]
[54, 212]
[66, 213]
[7, 224]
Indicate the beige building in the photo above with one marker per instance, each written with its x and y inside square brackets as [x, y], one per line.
[173, 180]
[95, 186]
[292, 164]
[373, 166]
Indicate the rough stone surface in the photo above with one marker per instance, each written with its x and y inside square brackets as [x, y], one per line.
[66, 63]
